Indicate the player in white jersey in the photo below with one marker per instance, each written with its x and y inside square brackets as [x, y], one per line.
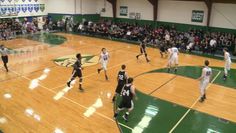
[227, 62]
[204, 80]
[103, 59]
[173, 58]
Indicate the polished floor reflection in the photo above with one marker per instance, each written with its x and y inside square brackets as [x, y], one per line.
[34, 97]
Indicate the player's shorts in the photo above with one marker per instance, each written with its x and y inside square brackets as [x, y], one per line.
[174, 60]
[5, 59]
[203, 84]
[227, 65]
[143, 50]
[104, 65]
[77, 73]
[126, 104]
[119, 87]
[162, 49]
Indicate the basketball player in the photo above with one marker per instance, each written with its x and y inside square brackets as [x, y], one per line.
[127, 94]
[4, 53]
[103, 59]
[227, 62]
[173, 58]
[77, 72]
[204, 80]
[163, 50]
[143, 49]
[122, 80]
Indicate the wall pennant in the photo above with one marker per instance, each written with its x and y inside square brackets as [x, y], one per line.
[24, 8]
[30, 7]
[42, 7]
[10, 9]
[4, 9]
[36, 7]
[18, 9]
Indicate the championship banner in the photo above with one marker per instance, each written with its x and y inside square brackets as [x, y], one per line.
[36, 7]
[30, 0]
[36, 0]
[9, 0]
[2, 1]
[30, 7]
[123, 10]
[24, 7]
[42, 7]
[10, 9]
[23, 0]
[18, 9]
[3, 9]
[197, 16]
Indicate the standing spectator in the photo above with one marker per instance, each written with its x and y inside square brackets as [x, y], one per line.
[213, 45]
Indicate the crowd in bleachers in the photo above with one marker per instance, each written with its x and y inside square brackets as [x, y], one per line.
[193, 39]
[198, 40]
[11, 27]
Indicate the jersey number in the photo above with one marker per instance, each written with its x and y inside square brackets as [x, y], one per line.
[208, 73]
[105, 57]
[121, 77]
[125, 93]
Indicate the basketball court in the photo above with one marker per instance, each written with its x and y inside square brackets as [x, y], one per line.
[35, 98]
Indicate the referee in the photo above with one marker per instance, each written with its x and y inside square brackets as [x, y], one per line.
[4, 52]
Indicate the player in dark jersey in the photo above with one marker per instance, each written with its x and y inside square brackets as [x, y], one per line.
[77, 72]
[143, 49]
[163, 50]
[128, 93]
[4, 55]
[122, 79]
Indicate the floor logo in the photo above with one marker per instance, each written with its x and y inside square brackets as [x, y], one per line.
[69, 60]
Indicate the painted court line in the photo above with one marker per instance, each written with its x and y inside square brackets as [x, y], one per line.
[186, 113]
[164, 84]
[61, 93]
[108, 67]
[76, 103]
[92, 74]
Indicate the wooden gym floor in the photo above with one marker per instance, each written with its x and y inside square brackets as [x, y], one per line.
[34, 97]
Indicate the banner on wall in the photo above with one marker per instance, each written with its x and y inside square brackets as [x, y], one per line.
[30, 7]
[36, 7]
[197, 16]
[24, 7]
[42, 7]
[123, 10]
[18, 9]
[3, 9]
[133, 15]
